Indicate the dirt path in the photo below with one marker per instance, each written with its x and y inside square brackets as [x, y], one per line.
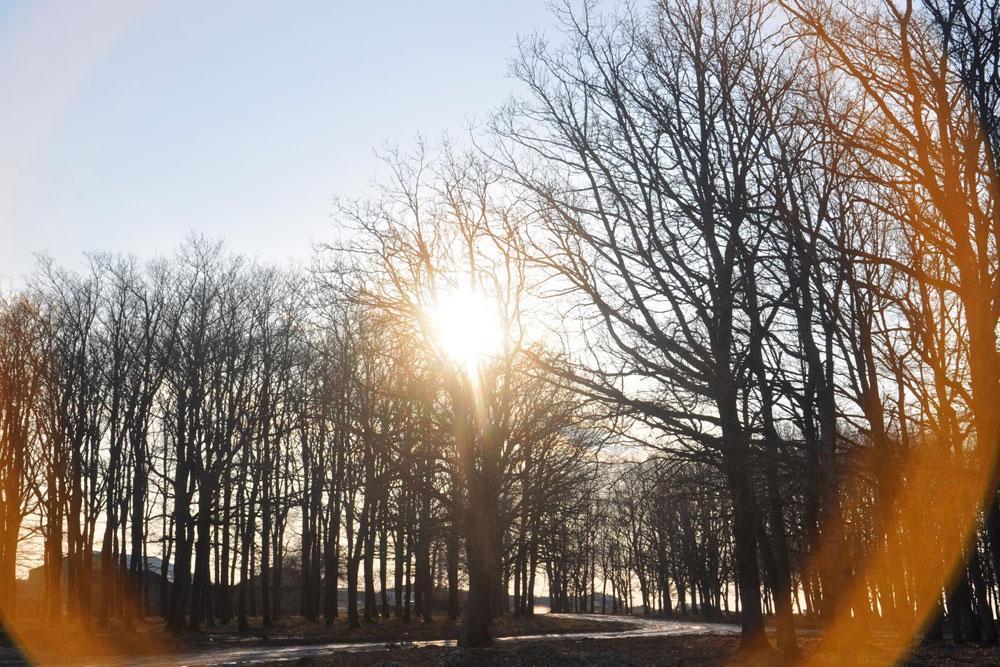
[252, 655]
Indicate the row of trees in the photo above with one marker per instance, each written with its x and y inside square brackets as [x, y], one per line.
[775, 228]
[758, 240]
[245, 425]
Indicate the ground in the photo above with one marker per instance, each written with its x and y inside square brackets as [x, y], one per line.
[149, 638]
[686, 650]
[561, 640]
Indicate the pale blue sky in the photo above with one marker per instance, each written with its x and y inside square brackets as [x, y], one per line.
[125, 124]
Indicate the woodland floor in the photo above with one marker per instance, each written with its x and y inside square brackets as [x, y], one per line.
[682, 650]
[148, 645]
[148, 639]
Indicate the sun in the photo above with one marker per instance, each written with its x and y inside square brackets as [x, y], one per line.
[466, 327]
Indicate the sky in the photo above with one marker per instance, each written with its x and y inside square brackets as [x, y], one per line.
[127, 124]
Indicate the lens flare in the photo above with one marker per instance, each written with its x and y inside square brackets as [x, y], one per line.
[466, 328]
